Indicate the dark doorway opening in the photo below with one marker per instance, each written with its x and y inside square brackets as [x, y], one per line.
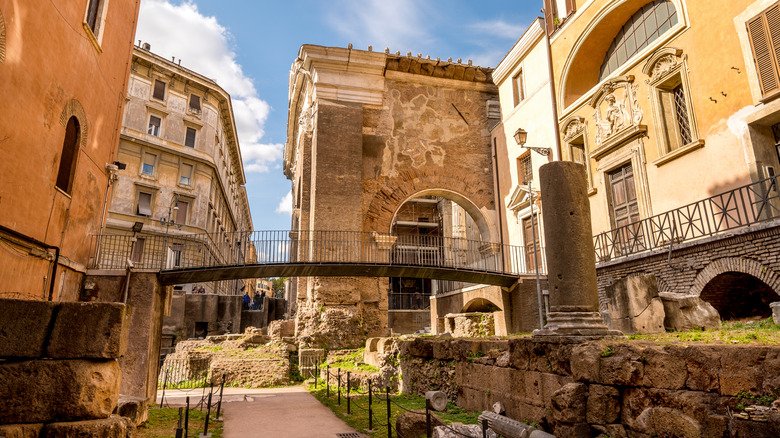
[201, 329]
[736, 295]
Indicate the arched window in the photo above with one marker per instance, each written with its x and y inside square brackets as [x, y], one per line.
[645, 26]
[70, 151]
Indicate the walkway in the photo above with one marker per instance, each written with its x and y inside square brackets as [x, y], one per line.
[279, 412]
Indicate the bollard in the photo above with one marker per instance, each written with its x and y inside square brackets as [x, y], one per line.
[208, 413]
[179, 430]
[370, 409]
[339, 386]
[187, 418]
[389, 426]
[348, 411]
[484, 427]
[219, 403]
[327, 382]
[165, 384]
[316, 374]
[428, 431]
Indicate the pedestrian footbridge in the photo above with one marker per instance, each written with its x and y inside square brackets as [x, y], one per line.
[194, 258]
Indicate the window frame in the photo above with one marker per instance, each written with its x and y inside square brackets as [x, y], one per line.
[155, 81]
[189, 178]
[192, 109]
[150, 193]
[95, 30]
[518, 87]
[158, 132]
[187, 130]
[72, 145]
[772, 54]
[142, 170]
[523, 160]
[528, 248]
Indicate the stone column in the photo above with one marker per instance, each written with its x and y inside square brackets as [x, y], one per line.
[571, 260]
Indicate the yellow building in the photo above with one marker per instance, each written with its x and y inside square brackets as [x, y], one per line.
[181, 171]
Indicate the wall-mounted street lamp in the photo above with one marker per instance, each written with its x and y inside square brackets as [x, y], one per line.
[521, 135]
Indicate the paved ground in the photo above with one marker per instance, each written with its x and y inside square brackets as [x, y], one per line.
[274, 412]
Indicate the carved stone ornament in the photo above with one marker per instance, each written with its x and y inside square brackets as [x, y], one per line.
[305, 121]
[573, 128]
[662, 62]
[663, 66]
[617, 108]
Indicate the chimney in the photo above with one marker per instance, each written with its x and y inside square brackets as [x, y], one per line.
[147, 47]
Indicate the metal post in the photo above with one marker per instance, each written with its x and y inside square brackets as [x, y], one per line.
[208, 413]
[428, 432]
[389, 427]
[370, 409]
[339, 386]
[316, 374]
[187, 418]
[165, 384]
[179, 430]
[327, 381]
[536, 259]
[484, 427]
[348, 404]
[219, 403]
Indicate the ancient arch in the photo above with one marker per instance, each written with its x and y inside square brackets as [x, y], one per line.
[74, 109]
[466, 190]
[737, 287]
[480, 305]
[2, 38]
[581, 69]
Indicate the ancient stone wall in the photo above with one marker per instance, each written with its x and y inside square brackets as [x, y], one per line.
[59, 374]
[754, 251]
[616, 388]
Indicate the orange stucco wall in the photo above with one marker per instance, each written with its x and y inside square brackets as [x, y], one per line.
[51, 60]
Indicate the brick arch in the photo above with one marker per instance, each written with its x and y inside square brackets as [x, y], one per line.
[74, 109]
[480, 303]
[2, 38]
[735, 264]
[467, 190]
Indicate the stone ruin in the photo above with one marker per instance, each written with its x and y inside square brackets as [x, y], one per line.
[59, 373]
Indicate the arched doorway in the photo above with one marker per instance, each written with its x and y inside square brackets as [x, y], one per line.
[737, 295]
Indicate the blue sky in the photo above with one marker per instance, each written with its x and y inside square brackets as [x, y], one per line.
[247, 46]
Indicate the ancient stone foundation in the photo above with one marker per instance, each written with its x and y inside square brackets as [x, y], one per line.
[59, 375]
[604, 388]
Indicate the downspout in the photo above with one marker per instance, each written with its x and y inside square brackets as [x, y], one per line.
[499, 204]
[552, 88]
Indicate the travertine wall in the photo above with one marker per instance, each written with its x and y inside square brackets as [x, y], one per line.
[616, 388]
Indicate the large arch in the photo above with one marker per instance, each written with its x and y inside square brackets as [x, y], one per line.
[580, 71]
[480, 304]
[734, 264]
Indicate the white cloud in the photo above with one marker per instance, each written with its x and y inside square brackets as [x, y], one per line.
[285, 205]
[203, 45]
[398, 24]
[499, 28]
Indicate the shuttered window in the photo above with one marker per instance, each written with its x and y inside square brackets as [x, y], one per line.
[181, 213]
[764, 33]
[144, 207]
[159, 90]
[623, 202]
[529, 237]
[189, 139]
[195, 103]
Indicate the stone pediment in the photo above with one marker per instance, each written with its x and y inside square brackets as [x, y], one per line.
[520, 199]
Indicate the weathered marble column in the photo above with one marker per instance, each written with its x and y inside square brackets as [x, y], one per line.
[571, 260]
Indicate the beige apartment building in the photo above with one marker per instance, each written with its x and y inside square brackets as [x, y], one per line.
[180, 173]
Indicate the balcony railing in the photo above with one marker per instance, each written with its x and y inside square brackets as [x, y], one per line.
[739, 208]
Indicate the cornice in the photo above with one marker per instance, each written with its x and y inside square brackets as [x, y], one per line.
[521, 48]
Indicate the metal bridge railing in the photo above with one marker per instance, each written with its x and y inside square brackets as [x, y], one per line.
[285, 247]
[738, 208]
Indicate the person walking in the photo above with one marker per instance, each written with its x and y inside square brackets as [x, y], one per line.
[256, 301]
[246, 300]
[262, 300]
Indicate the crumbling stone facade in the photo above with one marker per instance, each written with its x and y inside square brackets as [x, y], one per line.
[366, 132]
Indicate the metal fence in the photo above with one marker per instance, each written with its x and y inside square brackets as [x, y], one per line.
[738, 208]
[183, 373]
[284, 247]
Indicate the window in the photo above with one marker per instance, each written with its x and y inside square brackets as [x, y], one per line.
[154, 125]
[138, 250]
[577, 151]
[70, 150]
[622, 201]
[674, 117]
[531, 242]
[144, 207]
[176, 251]
[557, 10]
[149, 163]
[194, 103]
[517, 87]
[644, 27]
[764, 35]
[189, 139]
[159, 90]
[181, 213]
[94, 11]
[186, 174]
[525, 171]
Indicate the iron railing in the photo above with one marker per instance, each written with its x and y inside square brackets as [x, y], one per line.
[738, 208]
[183, 373]
[320, 247]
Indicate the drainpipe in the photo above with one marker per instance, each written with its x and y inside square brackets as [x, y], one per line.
[552, 88]
[499, 205]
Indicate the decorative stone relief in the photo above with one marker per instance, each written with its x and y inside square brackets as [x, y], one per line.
[665, 64]
[617, 109]
[74, 108]
[573, 128]
[661, 63]
[306, 119]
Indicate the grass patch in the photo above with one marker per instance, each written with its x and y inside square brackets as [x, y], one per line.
[359, 417]
[731, 332]
[162, 423]
[353, 362]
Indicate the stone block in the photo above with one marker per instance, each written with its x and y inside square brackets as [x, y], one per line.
[688, 313]
[21, 430]
[89, 330]
[603, 406]
[623, 366]
[24, 327]
[585, 362]
[569, 403]
[112, 427]
[58, 390]
[703, 363]
[135, 409]
[662, 421]
[775, 311]
[634, 305]
[664, 368]
[741, 369]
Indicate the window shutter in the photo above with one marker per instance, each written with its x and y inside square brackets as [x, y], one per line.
[549, 16]
[570, 7]
[159, 90]
[144, 204]
[181, 213]
[759, 30]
